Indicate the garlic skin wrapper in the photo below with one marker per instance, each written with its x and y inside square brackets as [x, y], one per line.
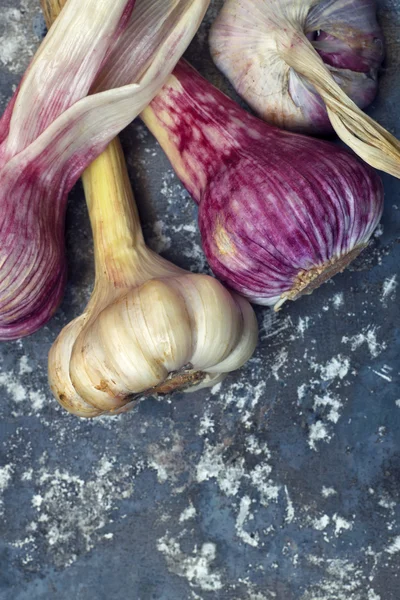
[150, 327]
[52, 130]
[279, 213]
[302, 64]
[345, 33]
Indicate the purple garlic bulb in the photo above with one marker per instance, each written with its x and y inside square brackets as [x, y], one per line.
[279, 213]
[252, 42]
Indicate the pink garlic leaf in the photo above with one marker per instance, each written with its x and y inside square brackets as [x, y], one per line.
[52, 130]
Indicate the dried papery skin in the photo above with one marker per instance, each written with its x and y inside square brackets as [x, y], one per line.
[52, 130]
[304, 63]
[150, 327]
[277, 210]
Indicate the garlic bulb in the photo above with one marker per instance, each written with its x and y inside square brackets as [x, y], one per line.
[279, 213]
[150, 327]
[119, 51]
[305, 65]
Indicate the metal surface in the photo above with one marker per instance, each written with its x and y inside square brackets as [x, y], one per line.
[282, 484]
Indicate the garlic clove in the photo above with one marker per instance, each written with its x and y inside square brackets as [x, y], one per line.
[59, 379]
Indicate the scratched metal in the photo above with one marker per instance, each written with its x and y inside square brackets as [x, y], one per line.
[281, 484]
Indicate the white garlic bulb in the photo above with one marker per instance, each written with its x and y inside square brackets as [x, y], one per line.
[150, 327]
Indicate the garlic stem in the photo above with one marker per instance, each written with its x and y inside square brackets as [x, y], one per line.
[114, 218]
[175, 115]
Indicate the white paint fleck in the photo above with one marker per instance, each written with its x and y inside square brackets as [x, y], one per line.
[187, 514]
[279, 362]
[383, 374]
[289, 507]
[162, 474]
[343, 581]
[338, 300]
[165, 458]
[268, 489]
[254, 446]
[13, 387]
[216, 388]
[212, 466]
[367, 336]
[38, 400]
[398, 403]
[15, 47]
[253, 592]
[197, 568]
[105, 466]
[37, 501]
[274, 324]
[330, 402]
[341, 524]
[24, 366]
[389, 287]
[85, 507]
[317, 433]
[394, 547]
[159, 242]
[5, 478]
[337, 367]
[244, 396]
[22, 543]
[328, 491]
[27, 475]
[372, 595]
[321, 523]
[301, 391]
[206, 424]
[303, 325]
[385, 502]
[243, 516]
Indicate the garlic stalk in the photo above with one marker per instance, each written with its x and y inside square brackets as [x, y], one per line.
[52, 129]
[150, 327]
[298, 61]
[279, 213]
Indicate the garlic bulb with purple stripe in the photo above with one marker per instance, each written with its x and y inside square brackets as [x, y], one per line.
[279, 213]
[308, 66]
[345, 33]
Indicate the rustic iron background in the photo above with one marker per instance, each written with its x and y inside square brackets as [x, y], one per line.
[283, 483]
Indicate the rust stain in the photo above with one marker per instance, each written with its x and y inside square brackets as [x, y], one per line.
[223, 240]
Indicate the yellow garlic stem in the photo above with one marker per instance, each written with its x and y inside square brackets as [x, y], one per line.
[51, 9]
[114, 218]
